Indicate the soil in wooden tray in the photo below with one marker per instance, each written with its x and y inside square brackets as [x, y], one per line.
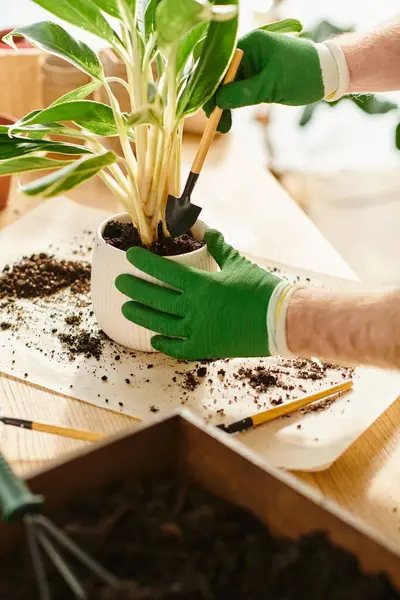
[124, 236]
[167, 541]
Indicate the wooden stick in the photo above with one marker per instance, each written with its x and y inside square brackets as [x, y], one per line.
[215, 118]
[76, 434]
[285, 409]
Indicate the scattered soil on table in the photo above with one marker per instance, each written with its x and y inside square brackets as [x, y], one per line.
[60, 289]
[73, 320]
[283, 376]
[260, 378]
[83, 343]
[42, 275]
[190, 381]
[124, 236]
[167, 541]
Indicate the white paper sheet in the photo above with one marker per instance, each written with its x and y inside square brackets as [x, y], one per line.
[32, 352]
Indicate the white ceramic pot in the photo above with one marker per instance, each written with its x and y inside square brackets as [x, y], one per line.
[108, 263]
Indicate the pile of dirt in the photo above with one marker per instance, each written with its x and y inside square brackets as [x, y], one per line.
[83, 343]
[167, 541]
[42, 275]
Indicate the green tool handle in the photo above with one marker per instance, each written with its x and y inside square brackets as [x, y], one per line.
[16, 500]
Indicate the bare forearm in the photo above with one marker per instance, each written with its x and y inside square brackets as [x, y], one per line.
[349, 328]
[373, 59]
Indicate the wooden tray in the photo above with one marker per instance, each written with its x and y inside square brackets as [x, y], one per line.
[181, 445]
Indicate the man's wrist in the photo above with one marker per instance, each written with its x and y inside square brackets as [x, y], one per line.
[335, 72]
[277, 318]
[295, 314]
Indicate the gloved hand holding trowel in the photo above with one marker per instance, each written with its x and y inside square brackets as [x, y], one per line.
[243, 310]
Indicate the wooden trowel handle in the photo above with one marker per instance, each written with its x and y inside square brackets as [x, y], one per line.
[215, 117]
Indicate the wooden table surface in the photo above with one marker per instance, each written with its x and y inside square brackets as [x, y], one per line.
[241, 198]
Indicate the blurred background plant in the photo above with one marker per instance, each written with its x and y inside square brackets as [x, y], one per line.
[368, 103]
[341, 161]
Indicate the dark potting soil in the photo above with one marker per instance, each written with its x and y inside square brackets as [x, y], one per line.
[83, 343]
[167, 541]
[124, 236]
[42, 275]
[262, 378]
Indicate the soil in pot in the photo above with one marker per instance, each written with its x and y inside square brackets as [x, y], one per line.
[124, 236]
[168, 541]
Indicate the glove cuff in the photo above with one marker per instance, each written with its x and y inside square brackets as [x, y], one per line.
[276, 318]
[335, 72]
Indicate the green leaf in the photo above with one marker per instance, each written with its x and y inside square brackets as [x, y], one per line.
[372, 105]
[109, 6]
[198, 49]
[93, 116]
[307, 114]
[285, 26]
[30, 163]
[54, 39]
[11, 147]
[150, 17]
[112, 8]
[78, 94]
[7, 128]
[151, 91]
[70, 176]
[83, 14]
[174, 19]
[398, 137]
[187, 46]
[367, 103]
[147, 115]
[40, 131]
[37, 132]
[216, 55]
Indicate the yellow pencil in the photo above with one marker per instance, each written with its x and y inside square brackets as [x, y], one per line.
[285, 409]
[76, 434]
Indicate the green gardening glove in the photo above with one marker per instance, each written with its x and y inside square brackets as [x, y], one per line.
[213, 315]
[275, 68]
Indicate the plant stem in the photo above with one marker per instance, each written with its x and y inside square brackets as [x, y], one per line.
[155, 174]
[172, 96]
[119, 80]
[143, 226]
[147, 73]
[120, 193]
[134, 73]
[165, 149]
[120, 177]
[126, 147]
[178, 164]
[173, 186]
[161, 195]
[114, 169]
[152, 172]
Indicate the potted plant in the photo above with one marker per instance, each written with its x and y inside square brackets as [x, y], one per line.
[192, 44]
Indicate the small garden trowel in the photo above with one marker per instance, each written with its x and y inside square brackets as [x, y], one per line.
[181, 214]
